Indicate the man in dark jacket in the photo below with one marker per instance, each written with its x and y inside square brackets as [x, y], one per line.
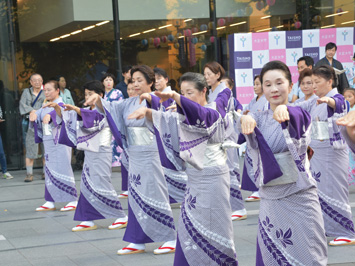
[330, 50]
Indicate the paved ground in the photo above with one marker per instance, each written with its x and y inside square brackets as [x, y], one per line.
[32, 238]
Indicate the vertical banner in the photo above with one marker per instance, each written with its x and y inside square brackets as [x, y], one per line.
[253, 50]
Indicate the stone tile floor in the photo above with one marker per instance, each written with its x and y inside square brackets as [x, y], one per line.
[33, 238]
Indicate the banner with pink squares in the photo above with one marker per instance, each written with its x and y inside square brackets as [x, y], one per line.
[250, 51]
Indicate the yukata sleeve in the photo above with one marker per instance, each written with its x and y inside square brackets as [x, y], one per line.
[297, 135]
[197, 125]
[340, 110]
[113, 111]
[37, 127]
[56, 123]
[68, 132]
[238, 105]
[166, 128]
[24, 107]
[305, 105]
[262, 161]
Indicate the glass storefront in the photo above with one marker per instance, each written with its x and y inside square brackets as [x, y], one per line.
[76, 39]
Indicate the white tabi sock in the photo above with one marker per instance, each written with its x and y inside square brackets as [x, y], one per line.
[88, 223]
[122, 220]
[72, 203]
[136, 246]
[49, 204]
[171, 244]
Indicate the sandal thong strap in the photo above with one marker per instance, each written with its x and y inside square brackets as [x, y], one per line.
[119, 223]
[132, 249]
[84, 226]
[342, 239]
[166, 248]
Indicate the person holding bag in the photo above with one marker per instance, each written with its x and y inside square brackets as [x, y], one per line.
[31, 100]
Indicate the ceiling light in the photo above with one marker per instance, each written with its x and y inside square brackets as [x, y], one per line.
[162, 27]
[76, 32]
[220, 28]
[136, 34]
[269, 16]
[200, 32]
[263, 30]
[281, 26]
[181, 37]
[149, 30]
[236, 24]
[102, 23]
[90, 27]
[348, 22]
[55, 39]
[337, 14]
[189, 19]
[328, 26]
[64, 36]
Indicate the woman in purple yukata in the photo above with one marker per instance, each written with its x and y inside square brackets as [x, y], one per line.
[112, 94]
[291, 227]
[330, 161]
[59, 176]
[149, 212]
[196, 133]
[214, 73]
[175, 178]
[89, 131]
[257, 104]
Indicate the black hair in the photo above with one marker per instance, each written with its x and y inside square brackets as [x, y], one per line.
[109, 75]
[130, 81]
[147, 72]
[326, 72]
[230, 81]
[307, 59]
[331, 45]
[256, 77]
[126, 68]
[96, 86]
[35, 74]
[351, 90]
[160, 72]
[53, 82]
[197, 79]
[276, 65]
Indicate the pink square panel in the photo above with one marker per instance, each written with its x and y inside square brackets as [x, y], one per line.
[278, 54]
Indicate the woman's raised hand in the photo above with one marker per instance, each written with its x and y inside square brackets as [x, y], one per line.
[50, 104]
[138, 114]
[248, 124]
[33, 116]
[281, 114]
[92, 100]
[145, 96]
[46, 119]
[164, 96]
[69, 107]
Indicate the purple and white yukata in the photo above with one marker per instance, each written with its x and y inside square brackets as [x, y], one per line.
[149, 212]
[248, 180]
[90, 132]
[303, 99]
[175, 175]
[196, 134]
[236, 198]
[59, 176]
[291, 227]
[115, 95]
[329, 165]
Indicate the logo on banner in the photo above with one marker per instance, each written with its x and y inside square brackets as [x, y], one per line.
[344, 33]
[293, 39]
[243, 39]
[261, 56]
[310, 36]
[243, 75]
[294, 54]
[276, 37]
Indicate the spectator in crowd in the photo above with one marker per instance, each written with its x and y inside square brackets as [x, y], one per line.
[330, 50]
[122, 86]
[3, 164]
[31, 100]
[302, 63]
[65, 93]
